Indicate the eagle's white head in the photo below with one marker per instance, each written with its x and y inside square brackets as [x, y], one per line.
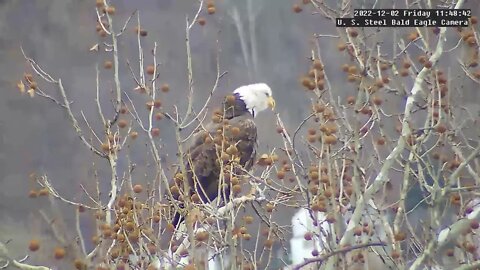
[257, 97]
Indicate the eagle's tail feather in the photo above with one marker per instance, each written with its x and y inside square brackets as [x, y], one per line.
[177, 219]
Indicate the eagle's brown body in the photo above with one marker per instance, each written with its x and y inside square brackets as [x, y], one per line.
[229, 142]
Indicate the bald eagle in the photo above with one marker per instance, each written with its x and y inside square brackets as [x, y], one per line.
[229, 142]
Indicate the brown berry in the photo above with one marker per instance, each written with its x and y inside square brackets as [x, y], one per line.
[473, 63]
[129, 226]
[381, 141]
[395, 254]
[349, 190]
[98, 27]
[350, 100]
[352, 69]
[155, 132]
[248, 219]
[324, 179]
[454, 164]
[33, 193]
[190, 266]
[470, 247]
[318, 108]
[384, 66]
[474, 224]
[297, 8]
[107, 233]
[471, 41]
[399, 236]
[413, 36]
[43, 192]
[211, 10]
[110, 10]
[133, 135]
[473, 20]
[269, 243]
[123, 110]
[422, 59]
[236, 189]
[121, 238]
[170, 227]
[159, 116]
[165, 87]
[377, 100]
[230, 100]
[328, 192]
[269, 207]
[79, 264]
[201, 236]
[59, 253]
[102, 33]
[235, 131]
[317, 64]
[330, 139]
[137, 188]
[122, 123]
[358, 231]
[442, 79]
[195, 198]
[351, 78]
[441, 128]
[330, 218]
[108, 64]
[150, 70]
[99, 3]
[201, 21]
[321, 84]
[33, 85]
[34, 245]
[353, 32]
[232, 150]
[307, 83]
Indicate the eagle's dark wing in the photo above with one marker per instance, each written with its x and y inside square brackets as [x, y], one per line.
[204, 156]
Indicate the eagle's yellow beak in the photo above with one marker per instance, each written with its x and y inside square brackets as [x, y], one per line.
[271, 103]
